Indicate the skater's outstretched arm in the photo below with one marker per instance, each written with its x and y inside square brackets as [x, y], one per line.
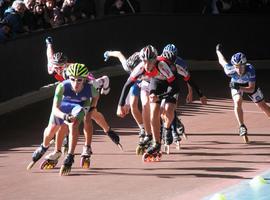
[221, 59]
[120, 56]
[49, 53]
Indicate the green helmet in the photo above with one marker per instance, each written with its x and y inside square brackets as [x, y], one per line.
[77, 70]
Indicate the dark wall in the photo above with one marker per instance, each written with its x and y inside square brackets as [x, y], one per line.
[23, 61]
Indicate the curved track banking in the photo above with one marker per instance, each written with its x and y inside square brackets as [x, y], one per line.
[212, 158]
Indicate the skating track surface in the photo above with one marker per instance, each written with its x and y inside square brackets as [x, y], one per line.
[212, 159]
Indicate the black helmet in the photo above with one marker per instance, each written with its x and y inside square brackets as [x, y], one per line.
[59, 58]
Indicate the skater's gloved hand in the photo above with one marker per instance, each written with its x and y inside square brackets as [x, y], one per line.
[189, 98]
[234, 85]
[106, 56]
[48, 40]
[122, 111]
[203, 100]
[153, 98]
[69, 118]
[219, 47]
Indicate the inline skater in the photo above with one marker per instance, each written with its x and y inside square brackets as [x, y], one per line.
[160, 76]
[132, 99]
[243, 80]
[57, 63]
[71, 100]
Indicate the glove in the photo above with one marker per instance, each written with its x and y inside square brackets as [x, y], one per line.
[49, 40]
[234, 85]
[67, 118]
[106, 56]
[219, 47]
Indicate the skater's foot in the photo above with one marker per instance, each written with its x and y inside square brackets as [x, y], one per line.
[66, 167]
[115, 138]
[38, 153]
[153, 153]
[51, 160]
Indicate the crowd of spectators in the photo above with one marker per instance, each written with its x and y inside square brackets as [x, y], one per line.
[25, 16]
[236, 6]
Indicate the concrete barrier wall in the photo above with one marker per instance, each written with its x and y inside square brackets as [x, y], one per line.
[23, 60]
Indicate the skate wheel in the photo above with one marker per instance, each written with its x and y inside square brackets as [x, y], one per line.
[85, 163]
[65, 150]
[178, 145]
[245, 138]
[184, 136]
[145, 157]
[120, 147]
[31, 164]
[158, 157]
[139, 150]
[48, 164]
[64, 170]
[167, 149]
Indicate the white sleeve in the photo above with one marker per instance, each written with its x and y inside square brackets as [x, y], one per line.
[165, 71]
[229, 69]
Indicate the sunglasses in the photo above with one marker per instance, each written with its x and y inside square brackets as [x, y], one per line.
[79, 80]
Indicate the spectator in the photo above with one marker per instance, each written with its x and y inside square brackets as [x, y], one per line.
[29, 17]
[117, 7]
[5, 31]
[40, 21]
[4, 4]
[53, 14]
[71, 11]
[13, 16]
[87, 8]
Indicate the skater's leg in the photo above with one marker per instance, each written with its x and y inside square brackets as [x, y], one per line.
[88, 129]
[100, 120]
[136, 113]
[146, 111]
[49, 133]
[238, 111]
[169, 114]
[73, 136]
[60, 135]
[155, 121]
[264, 107]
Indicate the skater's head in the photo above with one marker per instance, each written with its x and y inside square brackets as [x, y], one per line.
[239, 61]
[77, 74]
[169, 55]
[172, 48]
[59, 61]
[148, 56]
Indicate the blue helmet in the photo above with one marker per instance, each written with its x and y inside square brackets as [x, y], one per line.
[172, 48]
[238, 59]
[169, 55]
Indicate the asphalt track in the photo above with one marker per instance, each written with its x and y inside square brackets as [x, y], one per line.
[213, 158]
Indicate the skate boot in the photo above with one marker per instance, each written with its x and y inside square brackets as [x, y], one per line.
[38, 153]
[66, 167]
[176, 139]
[141, 134]
[65, 145]
[51, 160]
[180, 128]
[143, 145]
[115, 138]
[85, 157]
[243, 133]
[167, 139]
[153, 153]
